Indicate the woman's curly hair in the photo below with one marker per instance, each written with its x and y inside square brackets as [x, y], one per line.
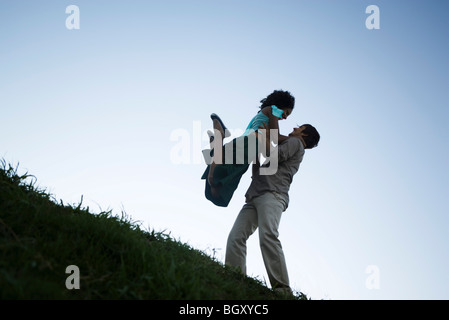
[279, 98]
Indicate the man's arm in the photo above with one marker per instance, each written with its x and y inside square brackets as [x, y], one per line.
[256, 168]
[284, 151]
[289, 149]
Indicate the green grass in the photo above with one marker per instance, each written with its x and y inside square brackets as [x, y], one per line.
[40, 237]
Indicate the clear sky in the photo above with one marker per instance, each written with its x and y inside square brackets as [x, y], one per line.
[117, 112]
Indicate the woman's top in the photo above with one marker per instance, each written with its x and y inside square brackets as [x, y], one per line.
[260, 118]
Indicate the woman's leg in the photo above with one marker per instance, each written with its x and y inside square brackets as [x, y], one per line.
[216, 142]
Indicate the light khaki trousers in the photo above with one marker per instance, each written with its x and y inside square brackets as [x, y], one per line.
[263, 212]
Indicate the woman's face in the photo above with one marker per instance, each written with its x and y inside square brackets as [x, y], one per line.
[286, 113]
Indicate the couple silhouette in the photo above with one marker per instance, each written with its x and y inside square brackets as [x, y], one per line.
[227, 163]
[267, 196]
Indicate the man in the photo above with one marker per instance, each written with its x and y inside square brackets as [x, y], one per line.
[266, 199]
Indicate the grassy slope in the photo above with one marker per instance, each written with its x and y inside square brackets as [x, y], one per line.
[39, 238]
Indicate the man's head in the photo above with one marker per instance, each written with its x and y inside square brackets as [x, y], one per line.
[308, 135]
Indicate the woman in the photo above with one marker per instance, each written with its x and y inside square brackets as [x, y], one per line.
[222, 175]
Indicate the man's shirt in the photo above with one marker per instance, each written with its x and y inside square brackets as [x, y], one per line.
[290, 155]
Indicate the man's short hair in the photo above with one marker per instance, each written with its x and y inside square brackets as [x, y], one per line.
[312, 138]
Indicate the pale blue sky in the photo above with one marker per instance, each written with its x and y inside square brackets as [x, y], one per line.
[97, 112]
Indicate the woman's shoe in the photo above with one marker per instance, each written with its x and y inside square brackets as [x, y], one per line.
[224, 130]
[211, 137]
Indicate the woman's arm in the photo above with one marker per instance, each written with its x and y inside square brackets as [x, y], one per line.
[273, 123]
